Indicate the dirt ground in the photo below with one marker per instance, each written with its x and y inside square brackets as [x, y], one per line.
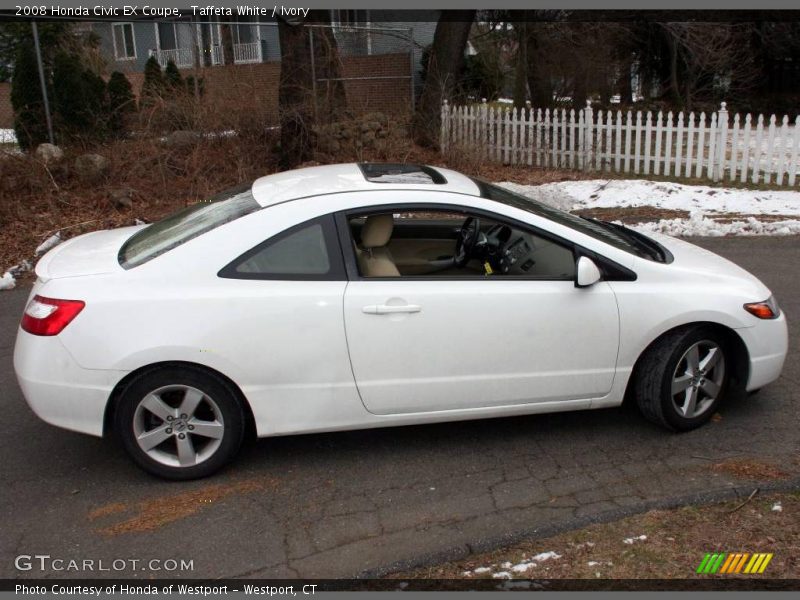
[660, 544]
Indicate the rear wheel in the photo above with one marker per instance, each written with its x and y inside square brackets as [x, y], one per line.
[180, 423]
[682, 378]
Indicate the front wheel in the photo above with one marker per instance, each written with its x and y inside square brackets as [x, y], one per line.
[682, 378]
[180, 423]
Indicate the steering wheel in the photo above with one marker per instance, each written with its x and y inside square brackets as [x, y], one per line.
[467, 238]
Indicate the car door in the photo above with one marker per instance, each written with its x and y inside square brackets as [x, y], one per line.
[425, 344]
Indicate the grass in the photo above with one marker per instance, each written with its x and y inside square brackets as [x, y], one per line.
[676, 542]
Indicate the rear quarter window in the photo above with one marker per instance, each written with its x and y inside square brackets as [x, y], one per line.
[306, 252]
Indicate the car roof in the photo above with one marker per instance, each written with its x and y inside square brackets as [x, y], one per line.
[358, 177]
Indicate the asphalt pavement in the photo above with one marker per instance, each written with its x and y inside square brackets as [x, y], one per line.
[344, 504]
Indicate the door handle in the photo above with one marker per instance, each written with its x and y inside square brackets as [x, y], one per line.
[385, 309]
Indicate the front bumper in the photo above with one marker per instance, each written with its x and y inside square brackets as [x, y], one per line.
[58, 390]
[767, 344]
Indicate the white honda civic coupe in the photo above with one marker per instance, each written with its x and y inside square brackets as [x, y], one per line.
[372, 295]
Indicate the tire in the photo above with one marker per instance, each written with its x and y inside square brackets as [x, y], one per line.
[670, 361]
[180, 423]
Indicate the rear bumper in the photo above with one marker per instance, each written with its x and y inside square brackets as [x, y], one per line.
[767, 344]
[59, 391]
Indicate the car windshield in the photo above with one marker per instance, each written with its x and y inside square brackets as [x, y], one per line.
[186, 224]
[614, 235]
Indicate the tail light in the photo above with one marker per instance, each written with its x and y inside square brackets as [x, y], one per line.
[768, 309]
[49, 316]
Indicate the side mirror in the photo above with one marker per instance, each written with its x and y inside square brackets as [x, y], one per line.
[586, 272]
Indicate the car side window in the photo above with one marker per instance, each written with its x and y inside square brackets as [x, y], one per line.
[430, 242]
[305, 251]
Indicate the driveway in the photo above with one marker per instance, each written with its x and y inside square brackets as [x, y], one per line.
[336, 505]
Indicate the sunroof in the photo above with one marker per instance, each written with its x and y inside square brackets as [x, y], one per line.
[400, 173]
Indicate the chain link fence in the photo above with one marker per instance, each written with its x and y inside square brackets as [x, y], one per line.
[375, 65]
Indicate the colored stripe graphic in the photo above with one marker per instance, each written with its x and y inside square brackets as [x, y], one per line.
[741, 562]
[710, 563]
[754, 563]
[735, 562]
[719, 562]
[764, 564]
[702, 567]
[727, 564]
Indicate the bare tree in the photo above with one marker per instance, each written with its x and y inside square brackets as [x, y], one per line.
[575, 60]
[710, 59]
[445, 64]
[297, 105]
[226, 39]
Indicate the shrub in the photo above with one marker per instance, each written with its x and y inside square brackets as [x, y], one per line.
[79, 100]
[153, 84]
[172, 77]
[30, 125]
[68, 102]
[121, 103]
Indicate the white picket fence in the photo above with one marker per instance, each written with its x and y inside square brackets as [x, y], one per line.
[715, 146]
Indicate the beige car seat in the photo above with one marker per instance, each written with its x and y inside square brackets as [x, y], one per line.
[374, 258]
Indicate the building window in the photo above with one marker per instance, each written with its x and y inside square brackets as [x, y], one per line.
[167, 36]
[124, 42]
[245, 30]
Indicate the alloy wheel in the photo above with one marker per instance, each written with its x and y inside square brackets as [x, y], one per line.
[178, 426]
[698, 379]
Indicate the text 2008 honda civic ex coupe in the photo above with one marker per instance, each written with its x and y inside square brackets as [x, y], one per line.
[371, 295]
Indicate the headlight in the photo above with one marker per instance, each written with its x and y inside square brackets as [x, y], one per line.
[768, 309]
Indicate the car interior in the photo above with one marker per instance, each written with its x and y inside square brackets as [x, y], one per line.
[422, 243]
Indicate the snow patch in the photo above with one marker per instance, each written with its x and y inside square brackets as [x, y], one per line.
[697, 224]
[602, 193]
[21, 268]
[7, 136]
[481, 570]
[50, 243]
[706, 205]
[545, 556]
[501, 575]
[640, 538]
[7, 281]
